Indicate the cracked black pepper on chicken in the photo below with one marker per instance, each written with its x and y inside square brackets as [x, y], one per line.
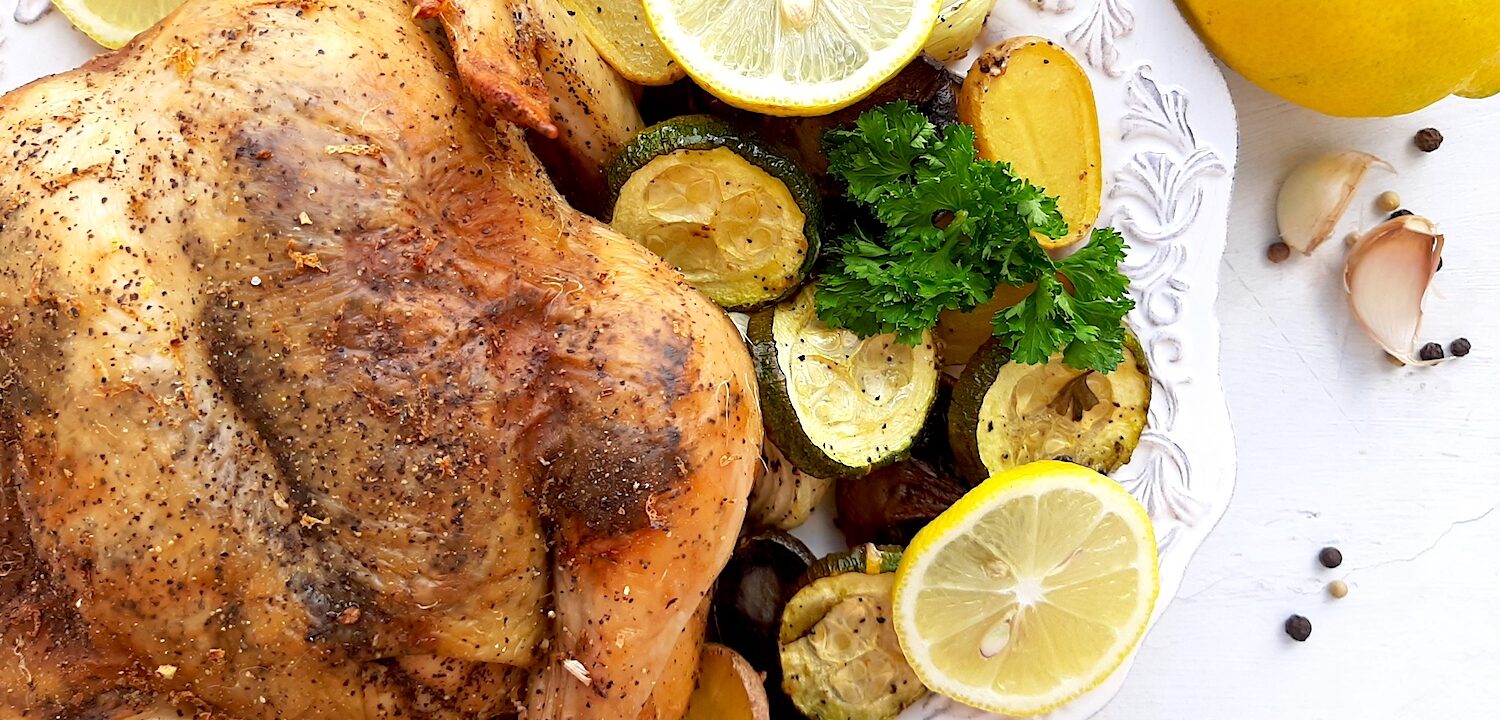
[318, 401]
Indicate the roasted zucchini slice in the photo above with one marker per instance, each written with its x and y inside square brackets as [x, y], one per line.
[739, 219]
[835, 404]
[840, 659]
[867, 558]
[1006, 414]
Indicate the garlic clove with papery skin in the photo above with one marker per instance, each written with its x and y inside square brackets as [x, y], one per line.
[1387, 275]
[1316, 194]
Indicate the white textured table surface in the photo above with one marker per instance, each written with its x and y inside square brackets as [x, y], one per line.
[1397, 467]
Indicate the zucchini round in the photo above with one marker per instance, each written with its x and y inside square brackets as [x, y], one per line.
[1005, 414]
[739, 219]
[868, 558]
[835, 404]
[840, 658]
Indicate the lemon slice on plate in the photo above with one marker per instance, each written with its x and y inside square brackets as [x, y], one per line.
[1029, 591]
[618, 30]
[792, 57]
[113, 23]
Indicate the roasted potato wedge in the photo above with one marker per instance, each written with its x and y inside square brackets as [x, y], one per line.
[728, 688]
[1032, 105]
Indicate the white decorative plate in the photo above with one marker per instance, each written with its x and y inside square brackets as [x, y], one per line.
[1169, 165]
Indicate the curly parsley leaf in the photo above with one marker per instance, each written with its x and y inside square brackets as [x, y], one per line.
[1086, 324]
[881, 150]
[956, 227]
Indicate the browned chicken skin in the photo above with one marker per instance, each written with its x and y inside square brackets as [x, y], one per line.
[318, 402]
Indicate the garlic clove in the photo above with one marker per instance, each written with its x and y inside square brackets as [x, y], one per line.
[1387, 275]
[1316, 194]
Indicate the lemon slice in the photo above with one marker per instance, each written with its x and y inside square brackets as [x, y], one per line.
[113, 23]
[792, 57]
[1029, 591]
[618, 30]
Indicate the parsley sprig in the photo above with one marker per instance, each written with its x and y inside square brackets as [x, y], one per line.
[954, 228]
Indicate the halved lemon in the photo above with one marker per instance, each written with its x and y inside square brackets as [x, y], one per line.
[792, 57]
[1029, 591]
[114, 23]
[618, 30]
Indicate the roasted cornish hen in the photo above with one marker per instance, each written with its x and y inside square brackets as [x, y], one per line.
[318, 400]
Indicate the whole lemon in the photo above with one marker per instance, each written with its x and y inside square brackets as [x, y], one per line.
[1357, 57]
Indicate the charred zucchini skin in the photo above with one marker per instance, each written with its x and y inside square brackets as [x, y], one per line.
[783, 428]
[867, 573]
[865, 559]
[705, 132]
[968, 399]
[782, 425]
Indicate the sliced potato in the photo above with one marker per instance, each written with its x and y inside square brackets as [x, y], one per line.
[1032, 105]
[728, 688]
[962, 333]
[619, 31]
[959, 24]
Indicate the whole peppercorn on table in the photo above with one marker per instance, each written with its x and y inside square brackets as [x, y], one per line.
[1395, 467]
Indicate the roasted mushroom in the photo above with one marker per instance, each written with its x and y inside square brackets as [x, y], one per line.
[932, 445]
[891, 504]
[728, 688]
[752, 592]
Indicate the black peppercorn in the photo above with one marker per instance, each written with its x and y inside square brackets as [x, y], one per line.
[1431, 351]
[1428, 139]
[1330, 557]
[1299, 628]
[1278, 252]
[1460, 347]
[1403, 212]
